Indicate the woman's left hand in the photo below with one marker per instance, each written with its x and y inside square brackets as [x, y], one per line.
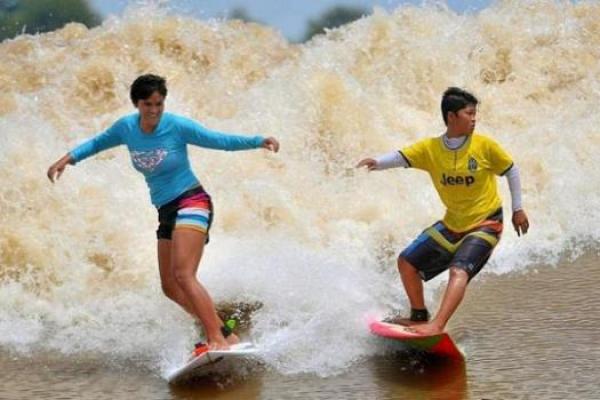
[56, 169]
[520, 222]
[271, 143]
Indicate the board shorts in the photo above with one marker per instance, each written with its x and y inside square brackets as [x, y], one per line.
[192, 210]
[438, 248]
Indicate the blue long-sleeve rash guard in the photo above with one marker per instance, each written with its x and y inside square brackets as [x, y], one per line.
[161, 156]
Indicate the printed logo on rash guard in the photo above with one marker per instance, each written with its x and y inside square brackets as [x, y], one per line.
[472, 164]
[148, 160]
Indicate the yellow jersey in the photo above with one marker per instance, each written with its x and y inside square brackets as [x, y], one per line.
[465, 178]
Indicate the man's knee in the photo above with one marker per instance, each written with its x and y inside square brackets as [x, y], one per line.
[459, 274]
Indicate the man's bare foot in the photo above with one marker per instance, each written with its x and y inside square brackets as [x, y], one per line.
[427, 329]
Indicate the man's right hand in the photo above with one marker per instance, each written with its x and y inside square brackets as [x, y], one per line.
[520, 222]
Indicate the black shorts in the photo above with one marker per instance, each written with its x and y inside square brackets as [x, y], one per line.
[192, 210]
[438, 248]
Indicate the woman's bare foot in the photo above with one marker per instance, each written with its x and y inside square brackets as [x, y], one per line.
[218, 343]
[232, 339]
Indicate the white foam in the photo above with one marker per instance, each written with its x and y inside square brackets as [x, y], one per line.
[302, 232]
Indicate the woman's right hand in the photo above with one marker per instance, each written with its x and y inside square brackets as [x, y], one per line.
[56, 169]
[370, 163]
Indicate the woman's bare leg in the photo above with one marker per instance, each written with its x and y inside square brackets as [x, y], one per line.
[168, 282]
[186, 252]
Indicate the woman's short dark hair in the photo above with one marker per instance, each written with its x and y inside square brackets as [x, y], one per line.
[145, 85]
[454, 100]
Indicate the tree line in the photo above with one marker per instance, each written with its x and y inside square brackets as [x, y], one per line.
[38, 16]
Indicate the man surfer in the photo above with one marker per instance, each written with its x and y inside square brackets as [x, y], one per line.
[463, 166]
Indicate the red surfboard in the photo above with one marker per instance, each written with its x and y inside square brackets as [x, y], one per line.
[440, 345]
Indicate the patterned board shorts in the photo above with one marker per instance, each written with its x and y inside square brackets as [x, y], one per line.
[438, 248]
[192, 210]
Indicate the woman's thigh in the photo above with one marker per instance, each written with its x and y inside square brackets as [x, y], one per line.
[187, 247]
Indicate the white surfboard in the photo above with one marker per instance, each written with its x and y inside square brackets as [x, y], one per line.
[202, 364]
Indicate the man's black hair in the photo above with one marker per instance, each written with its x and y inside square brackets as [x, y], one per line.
[145, 85]
[454, 100]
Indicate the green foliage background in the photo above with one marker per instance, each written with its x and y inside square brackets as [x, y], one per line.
[35, 16]
[333, 18]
